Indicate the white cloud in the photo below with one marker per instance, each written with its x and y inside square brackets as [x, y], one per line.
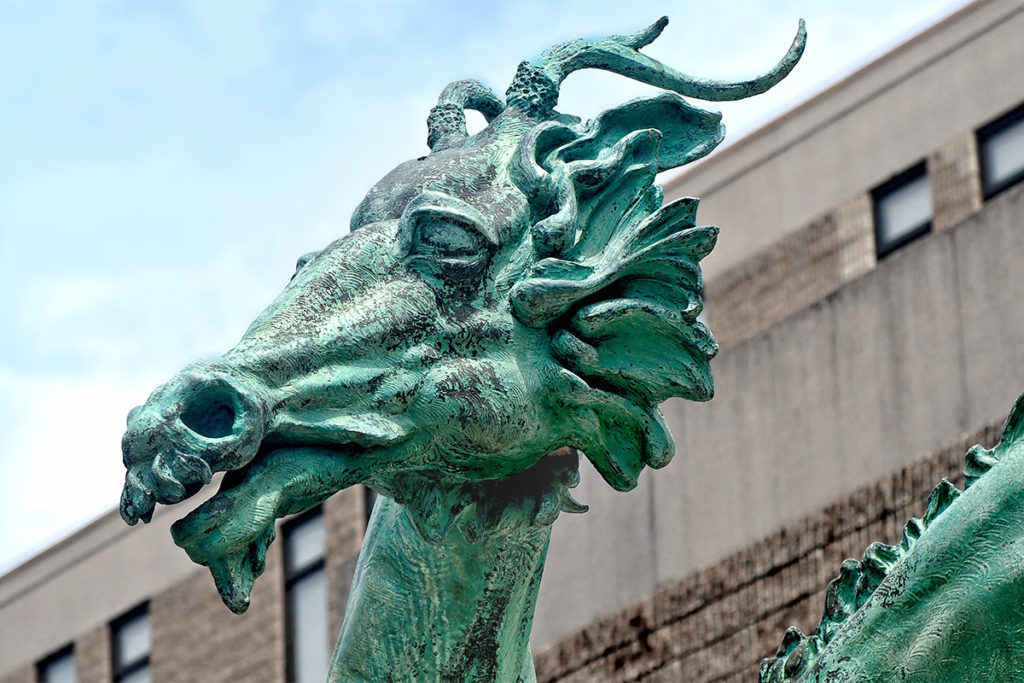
[60, 462]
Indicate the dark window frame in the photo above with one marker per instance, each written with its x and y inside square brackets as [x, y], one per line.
[986, 133]
[293, 576]
[119, 668]
[369, 500]
[49, 659]
[915, 172]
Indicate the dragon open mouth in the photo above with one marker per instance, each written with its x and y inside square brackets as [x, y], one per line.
[230, 532]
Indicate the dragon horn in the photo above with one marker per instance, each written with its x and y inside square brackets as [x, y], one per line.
[446, 124]
[535, 86]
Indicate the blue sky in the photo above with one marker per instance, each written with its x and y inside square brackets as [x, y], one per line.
[162, 165]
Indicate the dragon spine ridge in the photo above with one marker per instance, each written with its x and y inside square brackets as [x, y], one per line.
[859, 580]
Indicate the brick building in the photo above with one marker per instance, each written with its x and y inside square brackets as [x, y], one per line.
[864, 294]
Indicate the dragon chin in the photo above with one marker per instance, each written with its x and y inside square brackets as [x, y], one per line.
[230, 532]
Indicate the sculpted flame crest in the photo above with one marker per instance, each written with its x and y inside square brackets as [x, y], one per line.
[512, 293]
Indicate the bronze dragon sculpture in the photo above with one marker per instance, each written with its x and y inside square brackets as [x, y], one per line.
[512, 293]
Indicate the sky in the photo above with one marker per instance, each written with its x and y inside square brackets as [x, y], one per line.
[163, 164]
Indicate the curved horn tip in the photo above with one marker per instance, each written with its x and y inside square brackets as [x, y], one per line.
[648, 35]
[800, 39]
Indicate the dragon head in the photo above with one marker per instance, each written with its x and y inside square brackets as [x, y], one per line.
[513, 292]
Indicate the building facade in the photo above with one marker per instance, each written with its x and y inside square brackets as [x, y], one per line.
[866, 299]
[864, 292]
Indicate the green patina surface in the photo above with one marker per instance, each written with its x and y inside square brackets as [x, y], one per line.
[513, 293]
[944, 605]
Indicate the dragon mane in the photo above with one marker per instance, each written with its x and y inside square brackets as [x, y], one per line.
[618, 287]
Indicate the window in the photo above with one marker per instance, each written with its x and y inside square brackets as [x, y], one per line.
[58, 667]
[369, 500]
[903, 209]
[306, 597]
[1001, 148]
[130, 640]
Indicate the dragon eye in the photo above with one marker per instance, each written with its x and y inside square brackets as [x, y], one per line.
[447, 249]
[446, 238]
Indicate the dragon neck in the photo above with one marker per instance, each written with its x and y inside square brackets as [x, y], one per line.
[447, 610]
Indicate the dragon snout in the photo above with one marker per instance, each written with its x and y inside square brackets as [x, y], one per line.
[205, 420]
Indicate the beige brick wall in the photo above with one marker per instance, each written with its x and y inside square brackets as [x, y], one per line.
[195, 637]
[956, 181]
[793, 273]
[855, 237]
[92, 660]
[92, 655]
[717, 624]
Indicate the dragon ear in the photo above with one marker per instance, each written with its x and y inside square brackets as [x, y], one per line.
[580, 179]
[620, 289]
[687, 132]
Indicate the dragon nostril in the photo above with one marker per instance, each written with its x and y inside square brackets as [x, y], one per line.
[210, 412]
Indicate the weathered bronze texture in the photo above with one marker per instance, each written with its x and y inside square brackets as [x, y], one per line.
[942, 606]
[513, 293]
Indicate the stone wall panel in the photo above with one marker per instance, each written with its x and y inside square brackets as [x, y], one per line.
[719, 622]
